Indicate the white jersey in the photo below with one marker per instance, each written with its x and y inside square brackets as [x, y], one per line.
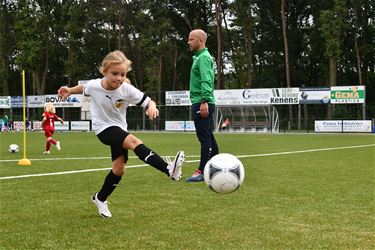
[108, 107]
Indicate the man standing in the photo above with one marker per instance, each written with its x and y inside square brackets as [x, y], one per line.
[202, 99]
[6, 121]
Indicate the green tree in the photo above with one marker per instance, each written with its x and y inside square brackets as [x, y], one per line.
[7, 46]
[331, 27]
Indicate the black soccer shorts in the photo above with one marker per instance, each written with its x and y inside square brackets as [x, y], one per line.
[114, 137]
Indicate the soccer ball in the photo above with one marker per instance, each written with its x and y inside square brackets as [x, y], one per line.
[13, 148]
[224, 173]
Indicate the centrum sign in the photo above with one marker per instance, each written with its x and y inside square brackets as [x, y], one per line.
[348, 94]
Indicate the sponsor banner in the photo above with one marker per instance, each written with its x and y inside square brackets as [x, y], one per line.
[18, 125]
[35, 101]
[73, 101]
[177, 98]
[314, 95]
[16, 102]
[37, 125]
[357, 126]
[227, 97]
[80, 125]
[348, 94]
[343, 126]
[5, 102]
[282, 96]
[179, 126]
[62, 127]
[85, 103]
[243, 97]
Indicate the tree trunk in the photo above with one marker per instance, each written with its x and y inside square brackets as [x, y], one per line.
[218, 34]
[358, 61]
[332, 82]
[287, 70]
[175, 67]
[250, 63]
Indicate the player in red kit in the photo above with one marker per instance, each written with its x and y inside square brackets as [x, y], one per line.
[48, 124]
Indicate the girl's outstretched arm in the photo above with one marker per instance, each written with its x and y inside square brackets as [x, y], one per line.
[65, 91]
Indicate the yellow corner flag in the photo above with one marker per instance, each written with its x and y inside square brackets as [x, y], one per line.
[24, 161]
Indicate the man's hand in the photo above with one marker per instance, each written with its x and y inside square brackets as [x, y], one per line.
[204, 109]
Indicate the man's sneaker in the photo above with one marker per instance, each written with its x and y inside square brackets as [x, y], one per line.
[196, 177]
[175, 166]
[58, 146]
[46, 152]
[102, 206]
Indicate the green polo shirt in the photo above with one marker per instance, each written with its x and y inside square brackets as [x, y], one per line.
[202, 77]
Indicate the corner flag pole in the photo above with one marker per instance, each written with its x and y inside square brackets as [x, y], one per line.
[24, 161]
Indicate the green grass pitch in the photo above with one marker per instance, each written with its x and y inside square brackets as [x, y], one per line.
[301, 191]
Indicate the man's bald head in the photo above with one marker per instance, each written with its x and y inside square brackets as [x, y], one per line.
[197, 40]
[200, 33]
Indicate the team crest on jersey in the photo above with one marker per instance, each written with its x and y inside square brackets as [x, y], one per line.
[119, 103]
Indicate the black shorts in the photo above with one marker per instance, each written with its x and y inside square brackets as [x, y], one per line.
[114, 137]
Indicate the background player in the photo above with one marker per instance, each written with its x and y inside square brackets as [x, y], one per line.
[48, 125]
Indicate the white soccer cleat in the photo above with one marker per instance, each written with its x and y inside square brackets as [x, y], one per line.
[174, 167]
[58, 146]
[46, 152]
[102, 206]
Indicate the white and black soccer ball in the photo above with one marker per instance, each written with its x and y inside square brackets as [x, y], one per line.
[13, 148]
[224, 173]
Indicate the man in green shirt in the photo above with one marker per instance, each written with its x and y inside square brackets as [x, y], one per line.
[6, 121]
[202, 99]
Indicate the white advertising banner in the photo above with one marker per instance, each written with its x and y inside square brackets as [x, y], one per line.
[18, 125]
[177, 98]
[37, 125]
[179, 126]
[35, 101]
[85, 103]
[343, 126]
[243, 96]
[62, 127]
[16, 102]
[281, 96]
[5, 102]
[227, 97]
[80, 125]
[314, 95]
[73, 101]
[357, 126]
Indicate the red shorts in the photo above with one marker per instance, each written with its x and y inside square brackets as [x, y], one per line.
[48, 133]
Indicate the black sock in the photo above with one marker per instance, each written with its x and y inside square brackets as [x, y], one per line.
[151, 158]
[110, 183]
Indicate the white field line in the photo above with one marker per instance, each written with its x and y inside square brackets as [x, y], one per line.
[79, 158]
[190, 161]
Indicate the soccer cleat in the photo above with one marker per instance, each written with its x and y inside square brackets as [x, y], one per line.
[58, 146]
[46, 152]
[102, 206]
[196, 177]
[175, 166]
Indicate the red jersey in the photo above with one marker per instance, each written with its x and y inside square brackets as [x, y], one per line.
[49, 123]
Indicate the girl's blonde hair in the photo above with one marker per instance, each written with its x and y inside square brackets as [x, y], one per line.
[115, 57]
[48, 107]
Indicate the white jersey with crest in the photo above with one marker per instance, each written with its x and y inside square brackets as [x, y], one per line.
[108, 107]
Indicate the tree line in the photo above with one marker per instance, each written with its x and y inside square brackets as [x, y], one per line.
[256, 43]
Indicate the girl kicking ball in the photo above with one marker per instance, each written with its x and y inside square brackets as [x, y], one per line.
[110, 98]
